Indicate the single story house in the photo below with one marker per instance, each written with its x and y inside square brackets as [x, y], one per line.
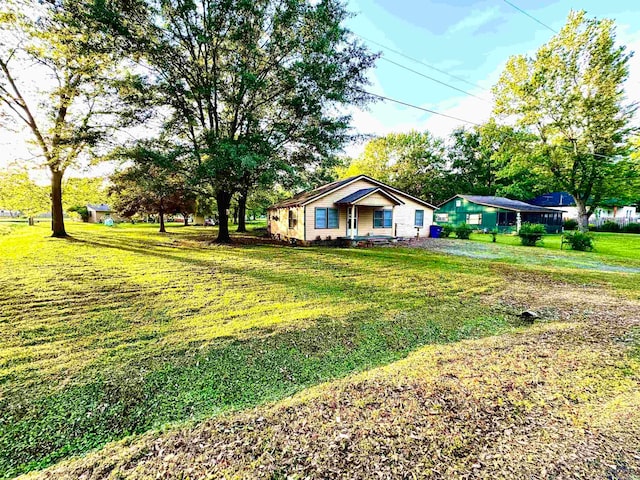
[355, 208]
[97, 213]
[503, 214]
[612, 210]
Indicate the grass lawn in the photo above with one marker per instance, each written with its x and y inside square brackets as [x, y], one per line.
[121, 331]
[608, 246]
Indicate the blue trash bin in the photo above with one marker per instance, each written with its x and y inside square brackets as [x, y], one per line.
[435, 231]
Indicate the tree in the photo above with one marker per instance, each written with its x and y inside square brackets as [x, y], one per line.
[571, 96]
[151, 186]
[414, 162]
[79, 191]
[60, 100]
[252, 86]
[494, 159]
[19, 192]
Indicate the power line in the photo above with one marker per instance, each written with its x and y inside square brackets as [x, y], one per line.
[382, 97]
[530, 16]
[432, 79]
[460, 79]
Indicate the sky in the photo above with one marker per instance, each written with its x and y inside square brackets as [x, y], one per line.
[469, 39]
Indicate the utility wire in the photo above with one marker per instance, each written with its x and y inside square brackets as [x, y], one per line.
[460, 79]
[382, 97]
[432, 79]
[530, 16]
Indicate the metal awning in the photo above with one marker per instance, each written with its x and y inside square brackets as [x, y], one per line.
[359, 195]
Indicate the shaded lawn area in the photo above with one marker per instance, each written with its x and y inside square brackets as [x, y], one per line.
[121, 330]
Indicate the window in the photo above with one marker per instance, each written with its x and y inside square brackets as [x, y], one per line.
[382, 218]
[327, 218]
[293, 218]
[474, 218]
[333, 218]
[458, 203]
[442, 217]
[419, 218]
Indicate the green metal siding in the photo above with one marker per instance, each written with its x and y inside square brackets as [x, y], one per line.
[458, 214]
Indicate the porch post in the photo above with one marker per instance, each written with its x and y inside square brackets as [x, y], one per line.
[353, 221]
[518, 222]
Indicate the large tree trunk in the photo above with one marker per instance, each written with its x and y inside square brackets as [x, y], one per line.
[242, 213]
[161, 215]
[57, 218]
[583, 215]
[224, 201]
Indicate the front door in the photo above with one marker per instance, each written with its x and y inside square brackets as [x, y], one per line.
[352, 223]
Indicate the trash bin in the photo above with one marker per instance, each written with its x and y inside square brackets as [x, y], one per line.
[435, 231]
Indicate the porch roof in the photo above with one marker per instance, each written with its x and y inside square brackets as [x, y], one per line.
[363, 193]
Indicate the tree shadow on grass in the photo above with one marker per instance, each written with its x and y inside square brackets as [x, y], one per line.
[230, 374]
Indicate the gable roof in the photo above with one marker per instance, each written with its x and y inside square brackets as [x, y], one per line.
[504, 203]
[365, 192]
[99, 208]
[309, 196]
[553, 199]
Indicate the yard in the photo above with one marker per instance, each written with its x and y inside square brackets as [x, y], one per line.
[266, 361]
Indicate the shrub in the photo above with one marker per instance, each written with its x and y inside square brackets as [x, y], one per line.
[570, 224]
[632, 228]
[579, 241]
[531, 233]
[463, 231]
[447, 230]
[609, 226]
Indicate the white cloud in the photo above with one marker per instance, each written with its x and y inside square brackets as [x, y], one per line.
[476, 19]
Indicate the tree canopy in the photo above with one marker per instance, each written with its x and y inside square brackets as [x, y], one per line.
[571, 95]
[62, 96]
[253, 88]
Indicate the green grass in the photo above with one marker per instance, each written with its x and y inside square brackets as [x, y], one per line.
[120, 330]
[607, 245]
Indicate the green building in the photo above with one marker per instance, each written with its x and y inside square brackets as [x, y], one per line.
[487, 213]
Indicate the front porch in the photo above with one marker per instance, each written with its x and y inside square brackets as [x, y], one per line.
[369, 215]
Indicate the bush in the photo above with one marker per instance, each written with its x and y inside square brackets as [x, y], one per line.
[579, 241]
[609, 226]
[447, 230]
[463, 231]
[531, 233]
[570, 224]
[632, 228]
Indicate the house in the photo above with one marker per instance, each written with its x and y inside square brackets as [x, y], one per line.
[97, 213]
[503, 214]
[611, 210]
[355, 208]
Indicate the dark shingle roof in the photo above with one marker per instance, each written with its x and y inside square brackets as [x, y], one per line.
[553, 199]
[355, 196]
[304, 197]
[99, 208]
[506, 204]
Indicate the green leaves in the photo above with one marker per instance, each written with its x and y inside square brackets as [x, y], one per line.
[571, 95]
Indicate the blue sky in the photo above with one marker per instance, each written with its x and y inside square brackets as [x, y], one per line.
[471, 39]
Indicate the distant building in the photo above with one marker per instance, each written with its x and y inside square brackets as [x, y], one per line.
[503, 214]
[611, 210]
[97, 213]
